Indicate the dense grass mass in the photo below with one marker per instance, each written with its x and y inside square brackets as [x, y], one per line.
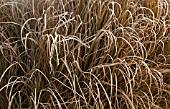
[84, 54]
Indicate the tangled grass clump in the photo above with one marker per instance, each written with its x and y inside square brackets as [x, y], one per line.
[87, 54]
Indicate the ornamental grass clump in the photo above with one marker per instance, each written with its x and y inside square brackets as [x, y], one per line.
[87, 54]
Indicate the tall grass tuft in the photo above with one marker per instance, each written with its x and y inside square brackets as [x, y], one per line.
[84, 54]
